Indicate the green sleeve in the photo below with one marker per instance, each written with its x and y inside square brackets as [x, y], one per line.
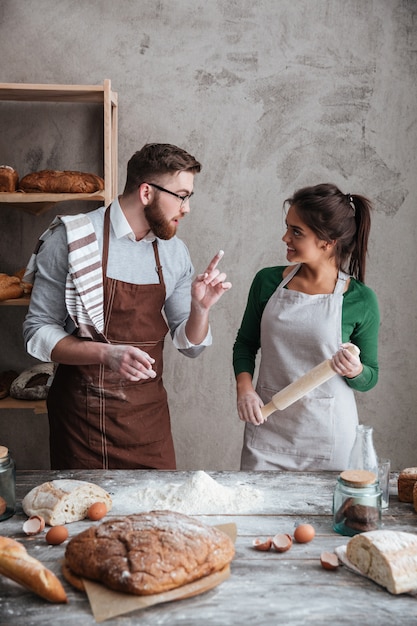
[360, 325]
[248, 337]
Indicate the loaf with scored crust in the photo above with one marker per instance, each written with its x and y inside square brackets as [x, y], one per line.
[57, 181]
[147, 553]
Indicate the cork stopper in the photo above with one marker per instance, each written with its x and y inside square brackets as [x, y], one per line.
[3, 452]
[358, 478]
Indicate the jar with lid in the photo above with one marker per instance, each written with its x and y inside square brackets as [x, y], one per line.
[356, 503]
[7, 484]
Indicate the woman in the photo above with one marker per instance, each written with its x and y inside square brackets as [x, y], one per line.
[300, 315]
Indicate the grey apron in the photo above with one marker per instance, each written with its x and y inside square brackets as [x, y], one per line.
[298, 331]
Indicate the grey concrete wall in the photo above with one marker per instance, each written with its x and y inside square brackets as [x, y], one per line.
[270, 96]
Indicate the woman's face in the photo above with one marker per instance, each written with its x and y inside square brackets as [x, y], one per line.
[303, 245]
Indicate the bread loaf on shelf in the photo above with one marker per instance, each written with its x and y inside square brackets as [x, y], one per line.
[57, 181]
[387, 557]
[10, 287]
[33, 383]
[406, 481]
[17, 564]
[8, 178]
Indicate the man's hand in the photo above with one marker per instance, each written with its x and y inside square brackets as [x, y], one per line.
[130, 362]
[208, 288]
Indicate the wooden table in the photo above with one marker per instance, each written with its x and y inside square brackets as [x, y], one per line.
[265, 588]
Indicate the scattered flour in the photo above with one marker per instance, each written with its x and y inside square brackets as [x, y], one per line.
[199, 495]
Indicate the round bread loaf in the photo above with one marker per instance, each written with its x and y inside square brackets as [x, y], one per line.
[149, 553]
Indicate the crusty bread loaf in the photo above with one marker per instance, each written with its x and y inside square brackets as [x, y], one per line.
[388, 557]
[57, 181]
[415, 496]
[406, 481]
[149, 553]
[10, 287]
[64, 500]
[32, 384]
[8, 178]
[17, 564]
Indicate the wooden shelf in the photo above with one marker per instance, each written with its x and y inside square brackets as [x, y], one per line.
[96, 94]
[37, 406]
[38, 203]
[24, 301]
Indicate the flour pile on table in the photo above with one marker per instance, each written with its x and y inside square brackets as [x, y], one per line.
[198, 495]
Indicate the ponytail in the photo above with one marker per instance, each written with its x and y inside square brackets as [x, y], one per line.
[357, 264]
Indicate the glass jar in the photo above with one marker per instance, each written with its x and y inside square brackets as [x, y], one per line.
[7, 484]
[356, 503]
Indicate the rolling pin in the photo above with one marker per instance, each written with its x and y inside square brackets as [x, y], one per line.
[296, 390]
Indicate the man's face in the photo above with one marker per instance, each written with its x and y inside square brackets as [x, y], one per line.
[165, 211]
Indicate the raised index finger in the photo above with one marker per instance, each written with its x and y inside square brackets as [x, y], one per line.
[214, 261]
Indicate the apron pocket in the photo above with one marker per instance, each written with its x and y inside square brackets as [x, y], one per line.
[128, 414]
[305, 429]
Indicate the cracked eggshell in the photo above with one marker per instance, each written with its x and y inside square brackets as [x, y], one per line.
[262, 544]
[34, 525]
[282, 542]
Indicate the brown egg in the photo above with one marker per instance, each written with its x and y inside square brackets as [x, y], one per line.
[56, 535]
[304, 533]
[96, 511]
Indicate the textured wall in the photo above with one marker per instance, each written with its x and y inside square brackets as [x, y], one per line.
[270, 97]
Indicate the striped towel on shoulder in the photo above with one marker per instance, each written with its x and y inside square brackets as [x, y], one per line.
[84, 285]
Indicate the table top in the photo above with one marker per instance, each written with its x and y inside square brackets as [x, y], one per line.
[264, 588]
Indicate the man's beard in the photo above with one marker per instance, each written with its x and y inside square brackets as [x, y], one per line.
[157, 221]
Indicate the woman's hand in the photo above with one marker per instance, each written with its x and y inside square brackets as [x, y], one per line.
[248, 402]
[345, 363]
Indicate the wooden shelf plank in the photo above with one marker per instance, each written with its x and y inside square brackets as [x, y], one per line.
[37, 406]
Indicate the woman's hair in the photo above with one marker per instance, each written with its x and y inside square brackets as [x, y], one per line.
[157, 159]
[335, 216]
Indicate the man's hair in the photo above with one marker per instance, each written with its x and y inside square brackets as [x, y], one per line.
[157, 159]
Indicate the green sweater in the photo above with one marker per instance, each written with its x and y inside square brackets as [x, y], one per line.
[360, 325]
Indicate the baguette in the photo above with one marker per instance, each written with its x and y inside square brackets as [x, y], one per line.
[17, 564]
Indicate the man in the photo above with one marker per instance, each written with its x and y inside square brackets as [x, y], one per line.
[108, 286]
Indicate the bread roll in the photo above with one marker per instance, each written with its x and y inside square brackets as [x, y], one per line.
[32, 384]
[8, 178]
[387, 557]
[10, 287]
[15, 563]
[406, 481]
[56, 181]
[149, 553]
[64, 500]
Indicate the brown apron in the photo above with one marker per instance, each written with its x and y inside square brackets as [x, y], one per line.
[99, 420]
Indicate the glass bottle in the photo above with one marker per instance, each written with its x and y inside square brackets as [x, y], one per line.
[363, 454]
[7, 484]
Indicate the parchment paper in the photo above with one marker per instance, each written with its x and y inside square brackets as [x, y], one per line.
[106, 603]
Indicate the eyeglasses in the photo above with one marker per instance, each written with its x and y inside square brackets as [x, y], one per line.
[183, 199]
